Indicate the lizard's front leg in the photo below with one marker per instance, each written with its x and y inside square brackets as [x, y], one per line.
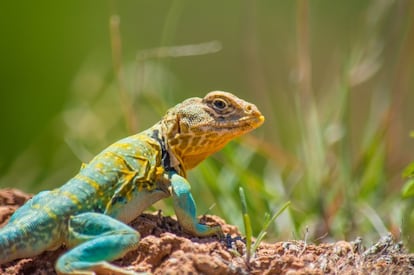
[185, 208]
[96, 238]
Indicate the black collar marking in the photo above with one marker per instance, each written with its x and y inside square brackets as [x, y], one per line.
[165, 156]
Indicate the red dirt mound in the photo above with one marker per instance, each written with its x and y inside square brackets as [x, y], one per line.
[165, 249]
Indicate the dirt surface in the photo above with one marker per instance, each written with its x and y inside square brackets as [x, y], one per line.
[165, 249]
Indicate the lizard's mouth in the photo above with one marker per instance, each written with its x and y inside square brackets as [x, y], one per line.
[241, 126]
[253, 122]
[261, 120]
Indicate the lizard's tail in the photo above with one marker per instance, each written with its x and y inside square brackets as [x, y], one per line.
[13, 244]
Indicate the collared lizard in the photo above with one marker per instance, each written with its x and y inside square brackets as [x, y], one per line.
[90, 212]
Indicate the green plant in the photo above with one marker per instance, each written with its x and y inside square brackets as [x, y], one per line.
[251, 249]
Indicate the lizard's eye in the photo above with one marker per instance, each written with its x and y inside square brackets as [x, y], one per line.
[219, 104]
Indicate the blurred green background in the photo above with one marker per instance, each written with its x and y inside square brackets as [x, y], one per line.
[334, 79]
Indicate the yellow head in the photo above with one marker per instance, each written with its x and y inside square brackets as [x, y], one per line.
[199, 127]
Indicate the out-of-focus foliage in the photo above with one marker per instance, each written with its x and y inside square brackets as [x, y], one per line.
[408, 175]
[333, 78]
[408, 195]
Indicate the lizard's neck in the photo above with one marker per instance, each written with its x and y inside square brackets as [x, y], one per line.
[187, 149]
[170, 160]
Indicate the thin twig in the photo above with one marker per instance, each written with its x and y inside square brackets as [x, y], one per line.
[116, 47]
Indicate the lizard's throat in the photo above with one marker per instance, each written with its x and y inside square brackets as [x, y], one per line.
[187, 149]
[191, 154]
[191, 161]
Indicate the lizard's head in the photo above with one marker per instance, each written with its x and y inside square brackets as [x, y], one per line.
[199, 127]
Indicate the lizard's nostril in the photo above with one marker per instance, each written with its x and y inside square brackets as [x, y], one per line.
[248, 109]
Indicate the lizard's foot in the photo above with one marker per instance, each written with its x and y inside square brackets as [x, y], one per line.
[185, 208]
[203, 230]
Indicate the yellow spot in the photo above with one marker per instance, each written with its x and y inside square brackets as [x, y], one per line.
[159, 170]
[89, 181]
[99, 165]
[73, 198]
[50, 212]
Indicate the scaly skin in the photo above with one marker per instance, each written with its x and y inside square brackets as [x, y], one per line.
[90, 212]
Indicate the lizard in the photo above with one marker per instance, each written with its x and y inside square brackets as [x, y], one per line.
[89, 213]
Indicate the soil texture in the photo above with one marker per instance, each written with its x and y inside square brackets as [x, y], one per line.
[166, 249]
